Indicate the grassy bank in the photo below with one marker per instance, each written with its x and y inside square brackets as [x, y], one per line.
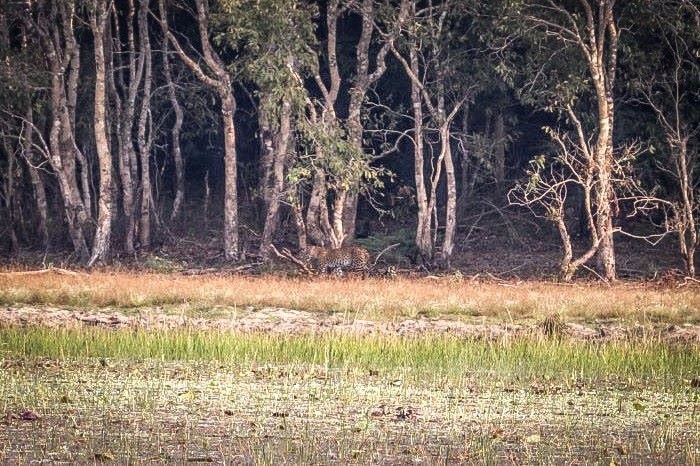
[448, 356]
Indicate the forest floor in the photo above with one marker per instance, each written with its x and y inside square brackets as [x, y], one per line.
[124, 367]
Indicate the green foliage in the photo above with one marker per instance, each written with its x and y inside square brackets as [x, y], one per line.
[160, 264]
[534, 173]
[272, 43]
[544, 71]
[328, 148]
[21, 74]
[404, 236]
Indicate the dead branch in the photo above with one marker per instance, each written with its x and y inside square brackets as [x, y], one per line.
[49, 269]
[383, 251]
[287, 255]
[218, 271]
[688, 281]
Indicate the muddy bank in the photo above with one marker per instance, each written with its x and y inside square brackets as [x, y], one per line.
[287, 321]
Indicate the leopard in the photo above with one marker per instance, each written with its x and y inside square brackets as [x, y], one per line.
[337, 261]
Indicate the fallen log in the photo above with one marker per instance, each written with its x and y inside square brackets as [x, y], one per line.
[56, 270]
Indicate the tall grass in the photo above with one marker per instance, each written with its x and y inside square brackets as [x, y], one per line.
[445, 355]
[373, 298]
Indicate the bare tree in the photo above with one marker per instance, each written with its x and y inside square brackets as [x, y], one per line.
[669, 87]
[547, 191]
[591, 31]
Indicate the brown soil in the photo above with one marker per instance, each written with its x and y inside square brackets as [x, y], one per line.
[287, 321]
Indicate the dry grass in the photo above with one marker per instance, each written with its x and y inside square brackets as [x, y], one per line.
[373, 298]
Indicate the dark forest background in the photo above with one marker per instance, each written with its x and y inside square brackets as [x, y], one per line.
[520, 136]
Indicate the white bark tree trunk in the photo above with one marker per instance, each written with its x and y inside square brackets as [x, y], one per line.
[103, 233]
[175, 131]
[424, 239]
[451, 205]
[52, 30]
[273, 193]
[144, 134]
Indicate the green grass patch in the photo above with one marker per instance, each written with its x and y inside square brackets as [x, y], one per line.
[520, 358]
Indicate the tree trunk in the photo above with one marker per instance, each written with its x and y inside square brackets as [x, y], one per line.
[499, 151]
[27, 140]
[48, 27]
[604, 189]
[318, 196]
[144, 134]
[604, 195]
[220, 81]
[8, 194]
[688, 232]
[127, 157]
[267, 149]
[37, 182]
[602, 67]
[354, 122]
[228, 108]
[337, 233]
[274, 195]
[103, 233]
[569, 265]
[319, 225]
[72, 57]
[349, 217]
[175, 131]
[300, 225]
[424, 240]
[451, 207]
